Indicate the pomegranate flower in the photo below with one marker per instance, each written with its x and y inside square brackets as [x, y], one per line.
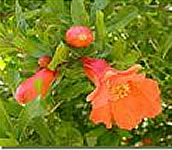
[27, 91]
[121, 97]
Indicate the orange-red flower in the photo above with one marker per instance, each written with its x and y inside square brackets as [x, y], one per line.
[27, 91]
[121, 97]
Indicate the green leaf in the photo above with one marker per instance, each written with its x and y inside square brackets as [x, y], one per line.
[118, 50]
[97, 6]
[166, 45]
[122, 19]
[72, 89]
[7, 142]
[123, 133]
[38, 85]
[100, 4]
[20, 18]
[131, 58]
[109, 139]
[10, 105]
[67, 135]
[6, 125]
[59, 57]
[100, 28]
[93, 135]
[2, 30]
[34, 47]
[79, 13]
[41, 127]
[12, 77]
[29, 112]
[2, 64]
[73, 84]
[57, 6]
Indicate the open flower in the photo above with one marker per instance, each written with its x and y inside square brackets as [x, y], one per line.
[27, 90]
[121, 97]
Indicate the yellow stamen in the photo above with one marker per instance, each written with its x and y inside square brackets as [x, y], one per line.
[120, 91]
[82, 37]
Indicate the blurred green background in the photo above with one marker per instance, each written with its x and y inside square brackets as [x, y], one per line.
[126, 32]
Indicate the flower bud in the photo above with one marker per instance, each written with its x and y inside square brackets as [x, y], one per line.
[27, 90]
[44, 60]
[79, 36]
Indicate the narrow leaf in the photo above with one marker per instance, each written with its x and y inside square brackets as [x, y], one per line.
[57, 6]
[118, 50]
[60, 56]
[43, 130]
[97, 5]
[100, 4]
[20, 18]
[93, 135]
[7, 142]
[67, 135]
[38, 85]
[30, 111]
[166, 45]
[79, 13]
[100, 28]
[5, 125]
[122, 19]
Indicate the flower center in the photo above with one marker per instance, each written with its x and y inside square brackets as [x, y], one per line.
[82, 37]
[120, 91]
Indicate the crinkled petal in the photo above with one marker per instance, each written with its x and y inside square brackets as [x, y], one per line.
[99, 97]
[149, 90]
[102, 115]
[127, 113]
[133, 69]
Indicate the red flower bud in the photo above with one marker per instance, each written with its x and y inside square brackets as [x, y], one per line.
[44, 60]
[79, 36]
[27, 90]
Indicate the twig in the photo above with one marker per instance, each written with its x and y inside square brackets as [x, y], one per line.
[54, 108]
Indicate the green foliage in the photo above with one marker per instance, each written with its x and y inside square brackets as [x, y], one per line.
[59, 57]
[67, 135]
[6, 142]
[122, 19]
[78, 12]
[100, 30]
[5, 120]
[126, 32]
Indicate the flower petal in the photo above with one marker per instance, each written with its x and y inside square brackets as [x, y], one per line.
[126, 112]
[102, 114]
[150, 91]
[129, 111]
[94, 68]
[99, 97]
[91, 75]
